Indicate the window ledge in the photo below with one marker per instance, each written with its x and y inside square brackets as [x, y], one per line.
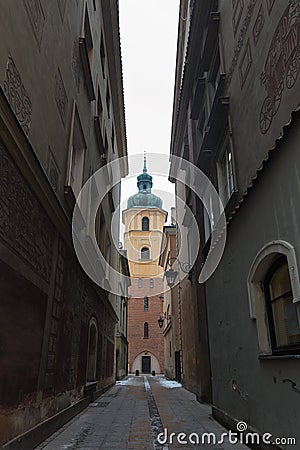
[267, 357]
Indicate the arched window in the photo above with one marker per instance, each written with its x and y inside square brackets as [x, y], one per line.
[145, 224]
[146, 330]
[144, 187]
[145, 253]
[140, 283]
[274, 294]
[281, 311]
[92, 350]
[151, 283]
[146, 304]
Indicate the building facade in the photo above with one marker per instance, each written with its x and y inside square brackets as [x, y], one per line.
[144, 219]
[236, 118]
[62, 118]
[172, 309]
[122, 312]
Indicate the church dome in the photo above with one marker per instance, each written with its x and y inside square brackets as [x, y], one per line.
[144, 198]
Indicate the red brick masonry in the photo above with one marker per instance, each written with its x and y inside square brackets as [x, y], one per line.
[137, 317]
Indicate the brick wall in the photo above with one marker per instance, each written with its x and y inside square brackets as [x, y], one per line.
[137, 317]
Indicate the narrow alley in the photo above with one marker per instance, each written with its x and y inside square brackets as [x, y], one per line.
[133, 413]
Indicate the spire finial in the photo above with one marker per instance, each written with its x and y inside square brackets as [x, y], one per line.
[145, 162]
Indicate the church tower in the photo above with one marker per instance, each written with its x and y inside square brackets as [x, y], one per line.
[144, 220]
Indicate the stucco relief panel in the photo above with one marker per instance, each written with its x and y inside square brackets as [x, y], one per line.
[258, 25]
[24, 226]
[245, 63]
[270, 4]
[17, 95]
[241, 39]
[237, 14]
[282, 63]
[37, 18]
[61, 96]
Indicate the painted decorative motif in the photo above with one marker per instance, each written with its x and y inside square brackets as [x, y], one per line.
[245, 63]
[37, 18]
[237, 14]
[258, 25]
[24, 226]
[76, 65]
[241, 40]
[17, 95]
[61, 96]
[282, 63]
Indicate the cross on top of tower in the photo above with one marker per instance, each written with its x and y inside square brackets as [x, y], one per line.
[145, 162]
[144, 197]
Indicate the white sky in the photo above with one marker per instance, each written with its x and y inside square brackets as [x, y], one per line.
[148, 41]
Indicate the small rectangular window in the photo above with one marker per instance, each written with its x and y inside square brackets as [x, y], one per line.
[146, 330]
[88, 36]
[77, 150]
[86, 52]
[108, 100]
[151, 283]
[226, 172]
[140, 283]
[113, 139]
[99, 111]
[102, 55]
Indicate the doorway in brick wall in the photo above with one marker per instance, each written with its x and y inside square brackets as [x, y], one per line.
[146, 364]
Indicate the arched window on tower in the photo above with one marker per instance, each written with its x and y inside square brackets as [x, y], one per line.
[146, 330]
[145, 253]
[145, 224]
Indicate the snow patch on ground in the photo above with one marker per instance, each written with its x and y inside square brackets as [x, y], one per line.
[169, 384]
[126, 382]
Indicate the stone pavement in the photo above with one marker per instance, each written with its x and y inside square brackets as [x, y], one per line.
[133, 413]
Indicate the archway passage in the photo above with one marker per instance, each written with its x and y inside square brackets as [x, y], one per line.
[146, 362]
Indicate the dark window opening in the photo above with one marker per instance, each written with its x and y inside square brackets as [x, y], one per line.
[146, 330]
[281, 311]
[145, 253]
[108, 100]
[102, 55]
[145, 224]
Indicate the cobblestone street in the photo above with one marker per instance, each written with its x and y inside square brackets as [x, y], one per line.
[133, 413]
